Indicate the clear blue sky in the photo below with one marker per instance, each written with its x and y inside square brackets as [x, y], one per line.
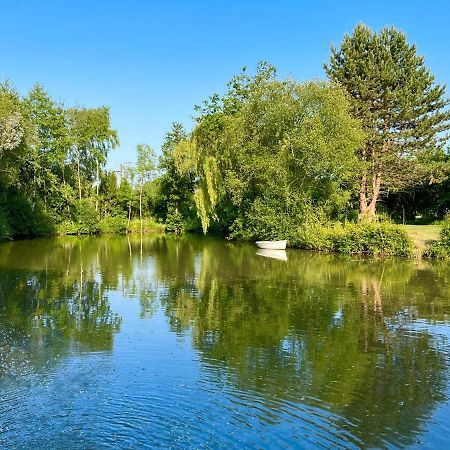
[152, 61]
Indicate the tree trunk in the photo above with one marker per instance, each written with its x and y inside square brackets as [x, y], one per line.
[45, 196]
[98, 184]
[367, 208]
[363, 195]
[140, 208]
[129, 218]
[79, 175]
[63, 170]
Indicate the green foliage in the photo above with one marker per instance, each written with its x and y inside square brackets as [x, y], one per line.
[47, 154]
[175, 190]
[86, 217]
[149, 225]
[91, 138]
[369, 238]
[174, 222]
[372, 239]
[4, 227]
[281, 142]
[267, 220]
[441, 249]
[113, 224]
[24, 218]
[67, 227]
[403, 111]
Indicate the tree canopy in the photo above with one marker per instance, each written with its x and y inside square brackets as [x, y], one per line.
[403, 110]
[270, 148]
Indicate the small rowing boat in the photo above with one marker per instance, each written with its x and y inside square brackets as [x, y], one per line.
[272, 245]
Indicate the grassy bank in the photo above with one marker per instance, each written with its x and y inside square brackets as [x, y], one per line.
[111, 225]
[422, 236]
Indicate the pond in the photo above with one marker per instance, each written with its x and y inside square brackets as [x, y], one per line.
[191, 342]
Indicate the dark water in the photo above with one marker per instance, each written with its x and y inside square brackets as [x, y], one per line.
[115, 342]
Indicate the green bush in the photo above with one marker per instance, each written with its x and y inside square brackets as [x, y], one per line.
[113, 224]
[174, 222]
[149, 225]
[67, 227]
[266, 220]
[86, 217]
[441, 249]
[372, 239]
[22, 218]
[4, 227]
[307, 227]
[353, 238]
[315, 236]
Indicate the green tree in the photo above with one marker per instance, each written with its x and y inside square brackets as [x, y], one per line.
[143, 172]
[48, 154]
[126, 196]
[108, 191]
[175, 190]
[281, 147]
[14, 134]
[403, 111]
[92, 138]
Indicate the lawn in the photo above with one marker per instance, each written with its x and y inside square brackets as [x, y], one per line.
[422, 234]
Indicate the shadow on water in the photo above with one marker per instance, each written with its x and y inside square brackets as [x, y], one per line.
[348, 344]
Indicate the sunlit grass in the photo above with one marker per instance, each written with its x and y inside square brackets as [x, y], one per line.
[422, 235]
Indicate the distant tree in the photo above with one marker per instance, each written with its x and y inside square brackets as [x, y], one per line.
[49, 152]
[143, 172]
[126, 196]
[91, 138]
[175, 189]
[108, 191]
[403, 112]
[14, 134]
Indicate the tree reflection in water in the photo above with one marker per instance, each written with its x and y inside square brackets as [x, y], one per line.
[317, 330]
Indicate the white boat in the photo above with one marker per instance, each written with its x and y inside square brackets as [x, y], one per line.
[272, 245]
[275, 254]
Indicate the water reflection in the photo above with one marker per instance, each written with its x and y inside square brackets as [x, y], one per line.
[275, 254]
[342, 348]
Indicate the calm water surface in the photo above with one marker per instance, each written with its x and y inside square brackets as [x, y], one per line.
[118, 342]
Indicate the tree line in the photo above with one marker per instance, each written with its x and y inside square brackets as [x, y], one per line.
[269, 158]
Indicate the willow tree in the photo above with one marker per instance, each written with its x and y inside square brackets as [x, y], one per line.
[403, 111]
[267, 148]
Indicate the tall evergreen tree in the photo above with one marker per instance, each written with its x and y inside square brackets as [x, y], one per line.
[403, 111]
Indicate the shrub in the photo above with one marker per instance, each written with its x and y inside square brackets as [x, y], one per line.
[373, 239]
[267, 220]
[149, 225]
[174, 221]
[315, 236]
[4, 227]
[22, 218]
[113, 224]
[307, 227]
[441, 249]
[67, 227]
[87, 218]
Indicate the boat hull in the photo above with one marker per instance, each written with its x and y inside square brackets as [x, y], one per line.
[272, 245]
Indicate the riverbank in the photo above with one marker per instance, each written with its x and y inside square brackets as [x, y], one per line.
[111, 225]
[423, 236]
[377, 239]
